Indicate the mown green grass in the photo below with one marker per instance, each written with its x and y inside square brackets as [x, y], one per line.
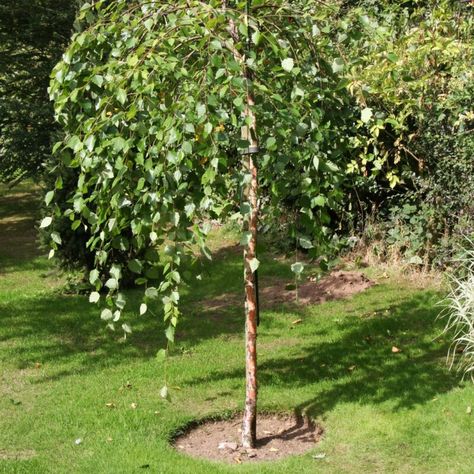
[381, 412]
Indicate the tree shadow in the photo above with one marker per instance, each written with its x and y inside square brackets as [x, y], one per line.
[65, 332]
[358, 364]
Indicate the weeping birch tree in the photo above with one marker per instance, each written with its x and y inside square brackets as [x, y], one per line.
[168, 110]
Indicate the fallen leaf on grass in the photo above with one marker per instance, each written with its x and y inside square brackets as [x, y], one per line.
[111, 405]
[352, 367]
[133, 406]
[37, 365]
[396, 350]
[297, 321]
[469, 410]
[319, 456]
[78, 441]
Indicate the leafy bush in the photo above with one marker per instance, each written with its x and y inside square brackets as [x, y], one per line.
[409, 65]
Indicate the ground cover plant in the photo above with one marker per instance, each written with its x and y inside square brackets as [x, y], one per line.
[69, 388]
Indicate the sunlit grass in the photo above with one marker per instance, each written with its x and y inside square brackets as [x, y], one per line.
[64, 377]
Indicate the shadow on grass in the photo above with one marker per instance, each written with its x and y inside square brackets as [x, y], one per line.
[67, 334]
[344, 361]
[358, 364]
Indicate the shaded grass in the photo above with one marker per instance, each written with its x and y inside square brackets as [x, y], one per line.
[381, 412]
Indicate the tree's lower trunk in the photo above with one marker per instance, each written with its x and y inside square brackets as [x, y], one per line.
[249, 134]
[249, 425]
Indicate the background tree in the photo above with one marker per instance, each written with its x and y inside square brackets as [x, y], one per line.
[33, 35]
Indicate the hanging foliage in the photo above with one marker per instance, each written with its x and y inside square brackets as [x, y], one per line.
[152, 96]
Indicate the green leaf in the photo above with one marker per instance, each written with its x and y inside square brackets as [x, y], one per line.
[132, 61]
[161, 354]
[288, 64]
[94, 276]
[135, 266]
[127, 329]
[306, 243]
[151, 292]
[366, 115]
[170, 330]
[245, 239]
[49, 197]
[75, 143]
[392, 57]
[94, 297]
[118, 144]
[122, 96]
[271, 144]
[297, 268]
[254, 264]
[46, 222]
[120, 301]
[256, 37]
[106, 314]
[316, 163]
[56, 238]
[187, 148]
[111, 283]
[337, 65]
[318, 201]
[143, 309]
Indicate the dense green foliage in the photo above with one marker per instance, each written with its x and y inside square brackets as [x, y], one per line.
[394, 103]
[412, 65]
[33, 35]
[152, 101]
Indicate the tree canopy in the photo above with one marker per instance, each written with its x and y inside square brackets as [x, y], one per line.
[152, 100]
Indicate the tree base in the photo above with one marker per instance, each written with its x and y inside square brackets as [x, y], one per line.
[278, 436]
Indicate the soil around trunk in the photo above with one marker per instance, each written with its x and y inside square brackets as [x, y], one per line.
[278, 436]
[337, 285]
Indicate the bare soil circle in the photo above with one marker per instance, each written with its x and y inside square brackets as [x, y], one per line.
[278, 436]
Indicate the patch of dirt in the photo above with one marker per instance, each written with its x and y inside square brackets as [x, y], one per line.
[278, 436]
[21, 455]
[337, 285]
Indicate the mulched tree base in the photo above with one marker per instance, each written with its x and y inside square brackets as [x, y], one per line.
[278, 436]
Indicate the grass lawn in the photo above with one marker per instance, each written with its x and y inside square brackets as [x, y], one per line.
[381, 412]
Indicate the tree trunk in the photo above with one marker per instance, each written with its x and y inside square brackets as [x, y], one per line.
[249, 425]
[249, 134]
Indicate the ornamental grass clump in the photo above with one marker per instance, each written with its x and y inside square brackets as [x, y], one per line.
[459, 309]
